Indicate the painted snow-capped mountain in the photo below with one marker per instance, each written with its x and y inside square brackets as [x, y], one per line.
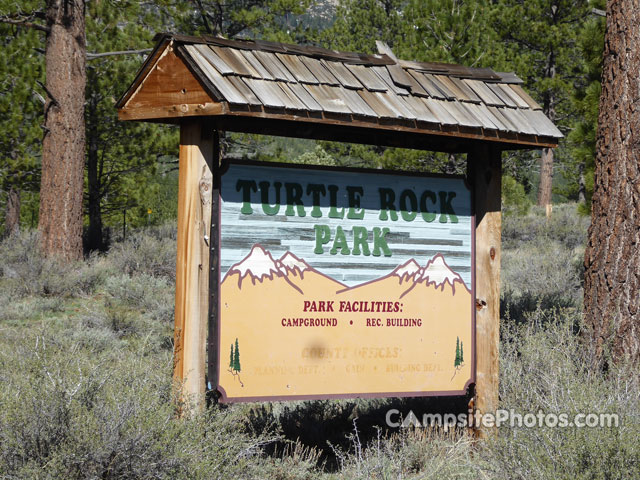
[259, 266]
[407, 270]
[438, 273]
[289, 263]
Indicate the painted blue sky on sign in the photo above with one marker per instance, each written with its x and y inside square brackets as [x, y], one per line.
[278, 233]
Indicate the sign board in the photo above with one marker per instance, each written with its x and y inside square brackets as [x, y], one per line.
[343, 283]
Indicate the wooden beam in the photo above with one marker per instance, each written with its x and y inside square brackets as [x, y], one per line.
[484, 169]
[168, 112]
[192, 261]
[214, 269]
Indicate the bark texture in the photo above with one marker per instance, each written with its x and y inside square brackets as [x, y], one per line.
[12, 219]
[63, 146]
[612, 257]
[546, 177]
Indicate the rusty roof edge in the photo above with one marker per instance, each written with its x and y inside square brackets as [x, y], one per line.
[162, 43]
[273, 47]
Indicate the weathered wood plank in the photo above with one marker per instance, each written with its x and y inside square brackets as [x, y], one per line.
[297, 68]
[305, 97]
[320, 71]
[461, 114]
[226, 88]
[255, 63]
[420, 110]
[236, 61]
[246, 92]
[355, 102]
[383, 73]
[482, 116]
[525, 96]
[342, 73]
[381, 108]
[275, 66]
[484, 169]
[192, 262]
[498, 92]
[512, 95]
[170, 112]
[328, 98]
[394, 101]
[435, 79]
[292, 101]
[214, 59]
[469, 95]
[262, 88]
[440, 112]
[418, 88]
[399, 76]
[169, 82]
[487, 96]
[368, 78]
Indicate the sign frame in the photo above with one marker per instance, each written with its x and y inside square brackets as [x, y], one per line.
[214, 350]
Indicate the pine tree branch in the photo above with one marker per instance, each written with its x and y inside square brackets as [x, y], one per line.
[93, 56]
[24, 23]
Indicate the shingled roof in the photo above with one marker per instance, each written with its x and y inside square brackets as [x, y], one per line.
[241, 82]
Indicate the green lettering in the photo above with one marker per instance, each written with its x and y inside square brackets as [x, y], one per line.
[408, 215]
[360, 236]
[333, 203]
[315, 190]
[264, 197]
[387, 197]
[445, 207]
[380, 242]
[246, 186]
[294, 197]
[340, 242]
[323, 235]
[427, 216]
[354, 194]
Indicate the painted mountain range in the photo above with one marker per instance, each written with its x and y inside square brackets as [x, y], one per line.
[259, 266]
[410, 348]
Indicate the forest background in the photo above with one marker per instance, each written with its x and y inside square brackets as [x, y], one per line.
[131, 168]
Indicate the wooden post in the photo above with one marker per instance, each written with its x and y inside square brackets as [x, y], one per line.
[484, 169]
[192, 261]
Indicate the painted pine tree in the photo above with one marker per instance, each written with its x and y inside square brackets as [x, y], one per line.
[236, 358]
[456, 362]
[231, 358]
[461, 353]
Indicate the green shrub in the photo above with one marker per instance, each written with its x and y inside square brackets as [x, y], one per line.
[24, 271]
[150, 251]
[514, 198]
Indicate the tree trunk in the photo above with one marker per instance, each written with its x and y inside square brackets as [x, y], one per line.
[612, 263]
[12, 219]
[582, 187]
[64, 137]
[546, 159]
[546, 177]
[95, 240]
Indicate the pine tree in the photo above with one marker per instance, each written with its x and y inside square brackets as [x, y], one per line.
[231, 358]
[461, 353]
[539, 39]
[21, 101]
[457, 360]
[612, 264]
[236, 358]
[121, 157]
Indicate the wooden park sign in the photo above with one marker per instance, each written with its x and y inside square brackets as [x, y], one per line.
[311, 282]
[343, 283]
